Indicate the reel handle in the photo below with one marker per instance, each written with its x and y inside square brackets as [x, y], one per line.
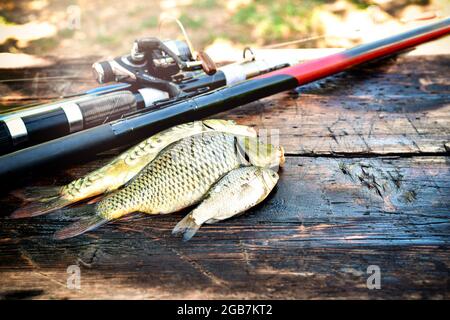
[208, 65]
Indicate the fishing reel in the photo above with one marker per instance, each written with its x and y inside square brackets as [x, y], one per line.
[155, 63]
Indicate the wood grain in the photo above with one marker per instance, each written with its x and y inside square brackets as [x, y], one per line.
[383, 109]
[366, 182]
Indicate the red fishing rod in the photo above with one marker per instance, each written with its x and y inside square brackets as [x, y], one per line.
[87, 143]
[335, 63]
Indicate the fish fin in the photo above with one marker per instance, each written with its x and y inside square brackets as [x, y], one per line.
[34, 209]
[43, 193]
[83, 225]
[187, 226]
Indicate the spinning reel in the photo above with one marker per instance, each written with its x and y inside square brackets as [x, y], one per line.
[155, 63]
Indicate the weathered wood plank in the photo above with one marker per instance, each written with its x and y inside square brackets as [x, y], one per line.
[341, 205]
[392, 109]
[314, 237]
[388, 108]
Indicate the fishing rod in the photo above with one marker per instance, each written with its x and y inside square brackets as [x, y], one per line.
[86, 143]
[27, 110]
[155, 71]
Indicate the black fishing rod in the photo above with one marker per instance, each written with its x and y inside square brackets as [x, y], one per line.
[154, 70]
[148, 76]
[50, 121]
[86, 143]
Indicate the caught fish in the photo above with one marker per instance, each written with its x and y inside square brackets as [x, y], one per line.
[236, 192]
[120, 170]
[177, 178]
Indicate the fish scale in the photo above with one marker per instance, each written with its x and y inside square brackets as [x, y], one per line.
[132, 159]
[181, 175]
[177, 178]
[237, 191]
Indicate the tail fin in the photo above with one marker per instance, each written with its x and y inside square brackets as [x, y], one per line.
[90, 222]
[37, 193]
[187, 226]
[40, 207]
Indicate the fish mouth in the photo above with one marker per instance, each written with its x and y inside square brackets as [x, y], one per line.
[269, 179]
[282, 158]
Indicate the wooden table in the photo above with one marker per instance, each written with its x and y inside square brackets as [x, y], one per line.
[366, 183]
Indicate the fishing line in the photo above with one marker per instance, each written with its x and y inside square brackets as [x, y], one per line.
[43, 78]
[180, 25]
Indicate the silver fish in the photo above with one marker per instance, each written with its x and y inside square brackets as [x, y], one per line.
[178, 177]
[236, 192]
[120, 170]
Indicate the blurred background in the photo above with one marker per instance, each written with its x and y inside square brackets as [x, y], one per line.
[79, 28]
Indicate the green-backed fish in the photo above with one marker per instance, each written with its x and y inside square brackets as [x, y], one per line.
[120, 170]
[178, 177]
[238, 191]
